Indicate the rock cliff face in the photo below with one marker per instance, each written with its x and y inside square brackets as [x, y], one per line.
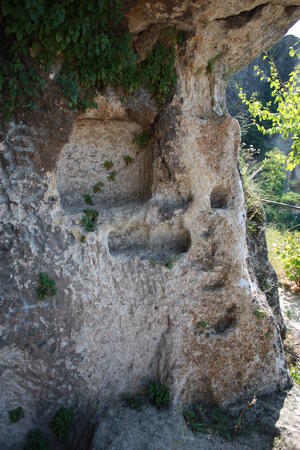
[161, 290]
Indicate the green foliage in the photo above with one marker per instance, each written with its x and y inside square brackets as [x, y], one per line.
[171, 261]
[36, 441]
[88, 199]
[181, 38]
[133, 402]
[159, 74]
[272, 183]
[16, 414]
[283, 113]
[112, 176]
[83, 239]
[289, 253]
[62, 422]
[273, 174]
[202, 324]
[295, 374]
[213, 420]
[267, 181]
[158, 395]
[20, 85]
[90, 35]
[89, 219]
[141, 140]
[47, 286]
[255, 212]
[260, 314]
[108, 164]
[92, 40]
[98, 187]
[212, 62]
[128, 159]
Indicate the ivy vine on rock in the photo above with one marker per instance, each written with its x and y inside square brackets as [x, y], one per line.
[90, 38]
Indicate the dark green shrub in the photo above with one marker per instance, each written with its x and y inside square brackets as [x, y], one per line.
[36, 441]
[88, 199]
[202, 324]
[47, 287]
[133, 402]
[128, 159]
[112, 176]
[98, 187]
[16, 414]
[62, 422]
[108, 164]
[158, 395]
[260, 314]
[89, 219]
[170, 262]
[159, 74]
[141, 140]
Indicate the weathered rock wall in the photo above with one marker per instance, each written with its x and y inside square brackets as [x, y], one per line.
[121, 317]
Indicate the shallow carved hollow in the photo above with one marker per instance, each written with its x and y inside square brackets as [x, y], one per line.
[160, 242]
[83, 164]
[219, 198]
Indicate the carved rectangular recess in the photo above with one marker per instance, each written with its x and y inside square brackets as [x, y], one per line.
[101, 160]
[160, 242]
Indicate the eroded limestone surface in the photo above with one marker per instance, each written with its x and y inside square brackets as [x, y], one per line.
[123, 316]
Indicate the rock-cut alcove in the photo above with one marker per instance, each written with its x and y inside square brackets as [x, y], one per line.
[96, 156]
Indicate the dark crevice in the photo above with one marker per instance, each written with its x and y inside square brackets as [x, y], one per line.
[219, 198]
[239, 20]
[227, 322]
[289, 10]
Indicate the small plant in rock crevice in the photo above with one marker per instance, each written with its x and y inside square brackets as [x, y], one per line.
[36, 441]
[16, 414]
[133, 402]
[170, 262]
[47, 286]
[98, 187]
[83, 239]
[141, 140]
[108, 164]
[293, 362]
[158, 394]
[212, 420]
[295, 373]
[202, 324]
[260, 314]
[128, 160]
[62, 422]
[112, 176]
[88, 199]
[89, 219]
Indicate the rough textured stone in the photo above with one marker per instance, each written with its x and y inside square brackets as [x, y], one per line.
[273, 423]
[121, 317]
